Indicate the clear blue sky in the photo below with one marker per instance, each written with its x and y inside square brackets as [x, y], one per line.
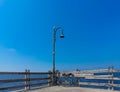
[91, 28]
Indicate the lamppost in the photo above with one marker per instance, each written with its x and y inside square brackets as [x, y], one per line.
[55, 29]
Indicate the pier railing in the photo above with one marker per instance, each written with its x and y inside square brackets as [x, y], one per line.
[106, 79]
[28, 80]
[24, 80]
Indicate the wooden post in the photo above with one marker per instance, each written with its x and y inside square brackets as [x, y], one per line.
[112, 77]
[57, 76]
[108, 78]
[26, 77]
[50, 80]
[78, 80]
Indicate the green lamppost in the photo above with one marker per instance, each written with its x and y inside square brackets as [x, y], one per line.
[55, 29]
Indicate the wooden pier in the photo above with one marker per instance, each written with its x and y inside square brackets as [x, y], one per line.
[70, 89]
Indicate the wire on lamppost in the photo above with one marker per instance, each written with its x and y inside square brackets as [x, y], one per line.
[53, 53]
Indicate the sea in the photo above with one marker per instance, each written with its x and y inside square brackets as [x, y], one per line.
[20, 76]
[72, 79]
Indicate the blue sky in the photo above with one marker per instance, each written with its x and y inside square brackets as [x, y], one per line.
[91, 28]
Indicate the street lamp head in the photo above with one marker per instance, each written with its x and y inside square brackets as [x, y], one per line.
[62, 35]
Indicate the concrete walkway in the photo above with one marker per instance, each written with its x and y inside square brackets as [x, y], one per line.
[70, 89]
